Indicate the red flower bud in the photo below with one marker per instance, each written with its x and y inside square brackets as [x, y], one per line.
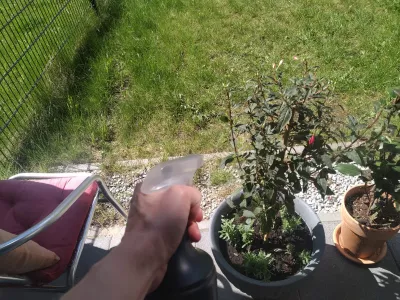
[311, 140]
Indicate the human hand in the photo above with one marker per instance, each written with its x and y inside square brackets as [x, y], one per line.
[155, 227]
[162, 217]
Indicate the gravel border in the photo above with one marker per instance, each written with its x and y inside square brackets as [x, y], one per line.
[123, 180]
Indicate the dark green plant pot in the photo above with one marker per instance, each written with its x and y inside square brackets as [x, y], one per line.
[266, 290]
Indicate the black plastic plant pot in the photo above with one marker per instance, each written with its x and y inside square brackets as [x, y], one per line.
[260, 289]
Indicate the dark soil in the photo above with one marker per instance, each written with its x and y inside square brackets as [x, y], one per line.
[386, 217]
[284, 264]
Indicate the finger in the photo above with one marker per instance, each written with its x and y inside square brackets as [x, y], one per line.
[136, 193]
[194, 232]
[198, 215]
[195, 200]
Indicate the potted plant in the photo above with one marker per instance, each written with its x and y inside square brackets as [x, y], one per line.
[371, 212]
[263, 238]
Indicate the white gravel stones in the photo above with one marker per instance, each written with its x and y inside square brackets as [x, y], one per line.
[122, 183]
[339, 184]
[122, 186]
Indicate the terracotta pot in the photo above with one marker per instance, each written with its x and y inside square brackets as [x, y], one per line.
[359, 240]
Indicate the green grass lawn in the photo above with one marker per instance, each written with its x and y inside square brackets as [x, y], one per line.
[152, 84]
[38, 42]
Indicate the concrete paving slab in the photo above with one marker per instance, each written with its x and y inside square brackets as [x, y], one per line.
[335, 278]
[330, 217]
[115, 240]
[394, 247]
[102, 242]
[338, 278]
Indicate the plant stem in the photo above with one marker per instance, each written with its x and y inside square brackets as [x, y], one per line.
[365, 131]
[228, 96]
[286, 135]
[371, 203]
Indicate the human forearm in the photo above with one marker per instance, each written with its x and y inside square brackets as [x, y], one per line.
[126, 273]
[156, 224]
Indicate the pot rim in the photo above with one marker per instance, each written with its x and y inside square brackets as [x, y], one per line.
[350, 217]
[302, 273]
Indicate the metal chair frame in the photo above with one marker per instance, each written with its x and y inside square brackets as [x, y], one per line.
[24, 282]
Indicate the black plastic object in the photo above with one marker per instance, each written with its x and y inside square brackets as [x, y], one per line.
[190, 274]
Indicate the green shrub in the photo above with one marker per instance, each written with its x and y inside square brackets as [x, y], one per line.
[289, 222]
[229, 232]
[238, 235]
[304, 257]
[290, 248]
[257, 265]
[279, 114]
[377, 150]
[247, 233]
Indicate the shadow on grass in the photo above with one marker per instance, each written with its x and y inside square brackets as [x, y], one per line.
[55, 108]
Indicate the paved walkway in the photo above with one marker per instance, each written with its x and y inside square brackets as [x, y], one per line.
[335, 278]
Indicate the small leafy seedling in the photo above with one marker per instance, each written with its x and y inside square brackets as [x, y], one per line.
[257, 265]
[247, 233]
[229, 232]
[290, 248]
[238, 235]
[289, 222]
[304, 257]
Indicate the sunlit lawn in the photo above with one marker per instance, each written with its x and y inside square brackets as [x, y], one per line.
[155, 85]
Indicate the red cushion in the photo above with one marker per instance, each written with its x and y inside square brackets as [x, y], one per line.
[25, 203]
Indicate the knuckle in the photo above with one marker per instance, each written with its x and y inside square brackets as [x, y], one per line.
[177, 191]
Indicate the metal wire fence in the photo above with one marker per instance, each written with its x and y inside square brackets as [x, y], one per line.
[35, 35]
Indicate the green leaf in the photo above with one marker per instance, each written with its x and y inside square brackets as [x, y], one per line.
[268, 194]
[230, 202]
[322, 182]
[391, 147]
[289, 203]
[257, 210]
[243, 203]
[305, 184]
[291, 92]
[284, 117]
[241, 127]
[356, 157]
[248, 214]
[397, 206]
[249, 222]
[326, 160]
[352, 122]
[224, 119]
[348, 169]
[377, 106]
[394, 92]
[366, 175]
[373, 217]
[329, 191]
[227, 160]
